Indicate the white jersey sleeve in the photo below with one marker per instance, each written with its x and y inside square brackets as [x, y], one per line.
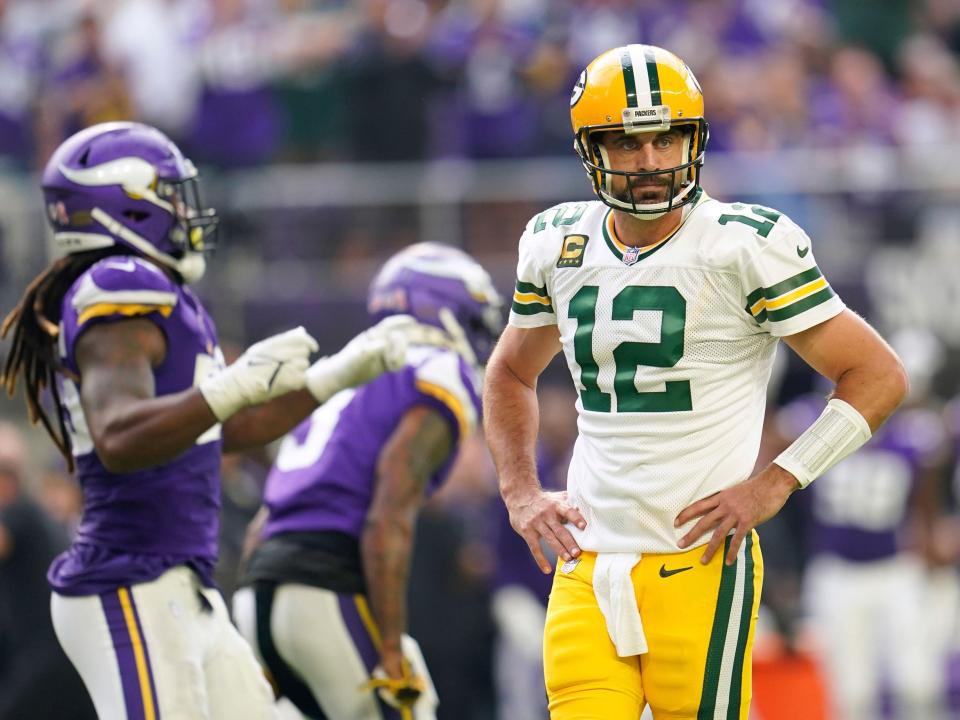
[785, 291]
[532, 305]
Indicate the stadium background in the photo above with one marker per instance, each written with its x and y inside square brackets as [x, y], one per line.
[331, 133]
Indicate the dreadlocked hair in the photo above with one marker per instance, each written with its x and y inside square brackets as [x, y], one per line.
[33, 351]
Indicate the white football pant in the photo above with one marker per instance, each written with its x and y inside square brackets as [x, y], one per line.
[162, 650]
[320, 649]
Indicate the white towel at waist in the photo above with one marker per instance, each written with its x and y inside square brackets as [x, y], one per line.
[618, 601]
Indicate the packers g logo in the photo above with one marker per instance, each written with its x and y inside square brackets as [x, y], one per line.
[578, 88]
[572, 253]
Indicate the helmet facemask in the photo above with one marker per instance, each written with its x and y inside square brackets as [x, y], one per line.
[683, 179]
[196, 227]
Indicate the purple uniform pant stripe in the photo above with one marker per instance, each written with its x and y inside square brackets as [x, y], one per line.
[123, 646]
[365, 646]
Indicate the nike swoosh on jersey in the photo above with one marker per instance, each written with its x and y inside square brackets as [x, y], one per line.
[803, 253]
[667, 573]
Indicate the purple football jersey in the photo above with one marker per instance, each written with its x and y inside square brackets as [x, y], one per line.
[859, 507]
[325, 472]
[136, 525]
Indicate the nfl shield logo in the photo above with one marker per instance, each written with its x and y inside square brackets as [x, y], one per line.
[631, 255]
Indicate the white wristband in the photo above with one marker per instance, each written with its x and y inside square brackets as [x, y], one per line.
[839, 431]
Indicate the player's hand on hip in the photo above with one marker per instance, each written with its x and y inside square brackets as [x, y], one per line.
[268, 369]
[540, 514]
[739, 508]
[380, 349]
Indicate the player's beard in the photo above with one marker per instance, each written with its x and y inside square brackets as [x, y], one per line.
[647, 190]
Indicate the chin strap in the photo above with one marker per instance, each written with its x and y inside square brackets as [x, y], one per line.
[191, 266]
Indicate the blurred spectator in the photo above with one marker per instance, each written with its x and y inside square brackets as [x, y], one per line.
[86, 87]
[930, 77]
[943, 18]
[492, 112]
[237, 60]
[856, 105]
[151, 41]
[31, 661]
[20, 68]
[877, 25]
[391, 82]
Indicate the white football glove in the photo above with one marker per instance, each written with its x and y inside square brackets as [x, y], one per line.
[268, 369]
[380, 349]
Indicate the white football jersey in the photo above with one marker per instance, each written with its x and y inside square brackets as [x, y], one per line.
[670, 349]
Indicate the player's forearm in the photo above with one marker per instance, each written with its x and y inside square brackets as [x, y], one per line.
[142, 433]
[876, 387]
[386, 547]
[260, 424]
[867, 373]
[511, 422]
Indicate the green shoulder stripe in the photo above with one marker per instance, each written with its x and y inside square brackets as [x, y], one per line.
[525, 287]
[792, 283]
[531, 309]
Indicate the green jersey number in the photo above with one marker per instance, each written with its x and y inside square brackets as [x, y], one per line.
[628, 356]
[566, 214]
[763, 227]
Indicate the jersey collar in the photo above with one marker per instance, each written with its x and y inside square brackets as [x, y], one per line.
[630, 255]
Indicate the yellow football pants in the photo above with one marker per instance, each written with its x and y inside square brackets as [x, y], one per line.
[699, 621]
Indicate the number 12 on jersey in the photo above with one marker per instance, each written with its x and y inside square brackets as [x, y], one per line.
[628, 356]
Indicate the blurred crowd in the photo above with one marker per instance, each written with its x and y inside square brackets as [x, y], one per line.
[244, 82]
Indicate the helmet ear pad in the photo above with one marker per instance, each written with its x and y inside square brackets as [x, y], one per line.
[602, 159]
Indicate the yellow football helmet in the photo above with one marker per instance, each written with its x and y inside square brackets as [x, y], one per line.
[638, 89]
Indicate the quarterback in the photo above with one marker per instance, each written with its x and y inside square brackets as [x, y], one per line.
[143, 408]
[668, 306]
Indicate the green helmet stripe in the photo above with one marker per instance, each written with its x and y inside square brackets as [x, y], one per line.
[653, 75]
[629, 81]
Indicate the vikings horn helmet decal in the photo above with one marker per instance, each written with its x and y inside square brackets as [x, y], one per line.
[636, 89]
[127, 184]
[425, 277]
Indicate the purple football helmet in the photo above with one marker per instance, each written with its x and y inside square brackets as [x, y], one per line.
[425, 277]
[124, 183]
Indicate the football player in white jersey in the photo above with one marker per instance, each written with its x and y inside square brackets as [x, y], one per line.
[668, 306]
